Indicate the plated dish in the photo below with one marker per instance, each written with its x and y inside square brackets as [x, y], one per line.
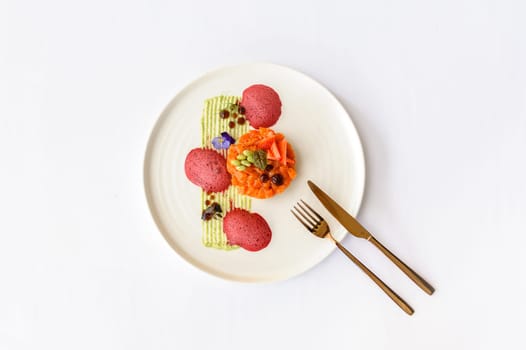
[308, 135]
[259, 163]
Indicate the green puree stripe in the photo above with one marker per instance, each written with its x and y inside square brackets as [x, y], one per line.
[211, 126]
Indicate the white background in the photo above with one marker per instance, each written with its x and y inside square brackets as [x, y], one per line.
[437, 91]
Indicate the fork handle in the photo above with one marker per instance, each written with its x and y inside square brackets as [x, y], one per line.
[395, 297]
[426, 287]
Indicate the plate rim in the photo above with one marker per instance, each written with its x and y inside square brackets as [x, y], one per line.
[149, 197]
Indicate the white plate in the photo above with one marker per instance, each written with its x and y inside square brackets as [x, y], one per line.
[328, 152]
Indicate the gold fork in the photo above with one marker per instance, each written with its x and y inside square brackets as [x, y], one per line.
[315, 224]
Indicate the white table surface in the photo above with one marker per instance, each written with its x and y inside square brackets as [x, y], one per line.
[436, 90]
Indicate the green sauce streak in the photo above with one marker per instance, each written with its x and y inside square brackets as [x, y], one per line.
[211, 126]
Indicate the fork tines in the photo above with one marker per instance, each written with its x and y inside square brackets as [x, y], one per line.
[309, 217]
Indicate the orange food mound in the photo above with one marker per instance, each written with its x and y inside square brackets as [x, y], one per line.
[281, 160]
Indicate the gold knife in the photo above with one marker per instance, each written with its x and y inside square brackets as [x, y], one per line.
[356, 229]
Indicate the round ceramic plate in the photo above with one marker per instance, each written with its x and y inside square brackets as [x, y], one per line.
[328, 152]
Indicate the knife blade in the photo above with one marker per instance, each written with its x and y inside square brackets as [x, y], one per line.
[343, 217]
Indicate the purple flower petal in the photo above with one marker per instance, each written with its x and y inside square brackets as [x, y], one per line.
[227, 136]
[220, 142]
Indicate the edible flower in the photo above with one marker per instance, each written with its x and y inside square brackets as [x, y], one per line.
[211, 212]
[227, 136]
[223, 142]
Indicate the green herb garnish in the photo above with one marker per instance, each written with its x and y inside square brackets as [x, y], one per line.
[260, 159]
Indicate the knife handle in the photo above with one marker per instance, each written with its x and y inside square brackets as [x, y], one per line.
[426, 287]
[395, 297]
